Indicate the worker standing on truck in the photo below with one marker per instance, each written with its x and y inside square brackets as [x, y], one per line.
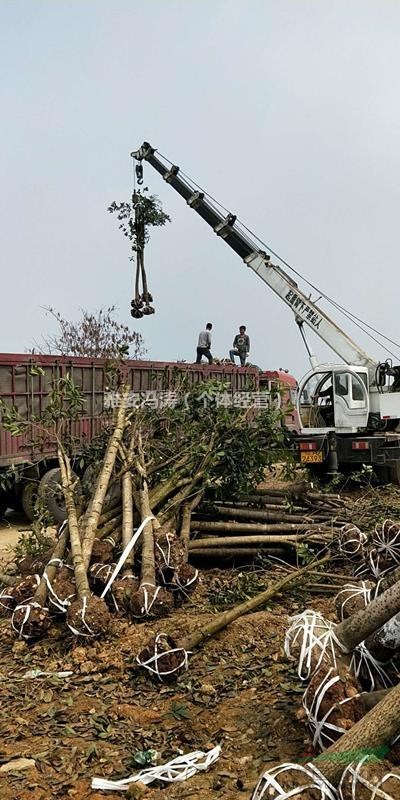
[241, 346]
[204, 344]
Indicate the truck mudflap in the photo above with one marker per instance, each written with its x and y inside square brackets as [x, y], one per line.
[378, 449]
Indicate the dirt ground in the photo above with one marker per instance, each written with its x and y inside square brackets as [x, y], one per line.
[10, 528]
[239, 692]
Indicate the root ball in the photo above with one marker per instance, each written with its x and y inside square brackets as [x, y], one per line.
[30, 621]
[89, 617]
[163, 659]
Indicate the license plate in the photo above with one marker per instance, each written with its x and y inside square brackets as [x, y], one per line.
[311, 458]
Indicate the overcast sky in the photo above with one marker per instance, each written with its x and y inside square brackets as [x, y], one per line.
[287, 112]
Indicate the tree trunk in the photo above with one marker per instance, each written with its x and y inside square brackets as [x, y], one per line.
[109, 527]
[40, 595]
[81, 581]
[103, 479]
[249, 527]
[370, 735]
[362, 624]
[127, 518]
[187, 510]
[236, 541]
[221, 621]
[257, 514]
[236, 552]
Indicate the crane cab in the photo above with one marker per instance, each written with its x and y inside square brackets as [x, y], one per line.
[334, 398]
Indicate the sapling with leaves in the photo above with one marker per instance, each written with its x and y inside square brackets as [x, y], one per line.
[135, 218]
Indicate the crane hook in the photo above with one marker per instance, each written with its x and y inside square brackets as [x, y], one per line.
[139, 173]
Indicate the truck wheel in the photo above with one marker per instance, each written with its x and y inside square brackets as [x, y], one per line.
[89, 477]
[51, 493]
[28, 499]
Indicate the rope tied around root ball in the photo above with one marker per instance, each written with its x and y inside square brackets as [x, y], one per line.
[290, 781]
[353, 597]
[369, 779]
[311, 640]
[368, 669]
[30, 620]
[320, 721]
[352, 542]
[163, 658]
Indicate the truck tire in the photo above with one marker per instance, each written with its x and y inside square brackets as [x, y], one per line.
[28, 499]
[114, 492]
[51, 493]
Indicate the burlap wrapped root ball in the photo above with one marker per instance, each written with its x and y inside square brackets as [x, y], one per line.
[370, 779]
[386, 539]
[331, 705]
[169, 555]
[293, 782]
[103, 551]
[12, 596]
[99, 574]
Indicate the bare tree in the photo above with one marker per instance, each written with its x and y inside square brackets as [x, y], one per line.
[96, 335]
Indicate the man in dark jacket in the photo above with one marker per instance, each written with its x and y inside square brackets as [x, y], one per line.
[241, 346]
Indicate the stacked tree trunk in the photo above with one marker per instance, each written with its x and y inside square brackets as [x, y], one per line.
[273, 523]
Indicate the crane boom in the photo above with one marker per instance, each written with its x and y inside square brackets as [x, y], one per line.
[276, 278]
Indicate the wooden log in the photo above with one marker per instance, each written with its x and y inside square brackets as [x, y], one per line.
[235, 552]
[256, 514]
[242, 527]
[225, 541]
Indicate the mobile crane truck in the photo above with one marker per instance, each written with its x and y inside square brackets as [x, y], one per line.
[349, 412]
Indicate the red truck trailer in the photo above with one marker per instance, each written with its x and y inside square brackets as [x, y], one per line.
[28, 461]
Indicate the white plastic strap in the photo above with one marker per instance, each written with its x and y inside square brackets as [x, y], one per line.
[314, 647]
[363, 662]
[84, 623]
[351, 591]
[183, 586]
[387, 540]
[125, 554]
[179, 769]
[62, 605]
[28, 608]
[152, 664]
[268, 786]
[351, 541]
[357, 780]
[166, 556]
[321, 727]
